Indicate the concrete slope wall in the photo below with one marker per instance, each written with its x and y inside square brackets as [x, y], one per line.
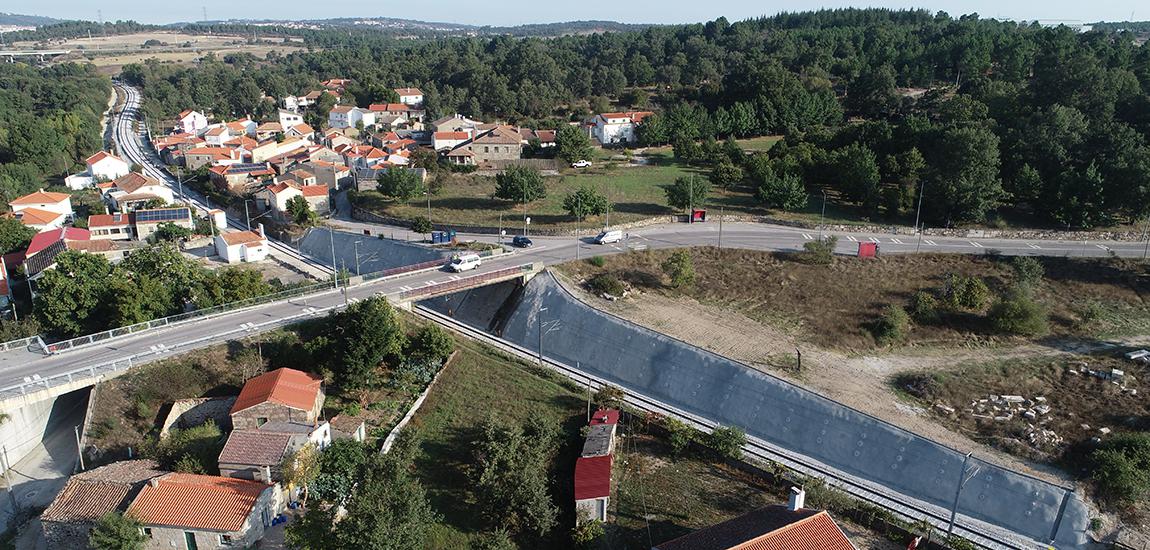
[781, 413]
[375, 254]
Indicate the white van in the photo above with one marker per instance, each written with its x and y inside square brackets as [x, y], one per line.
[464, 263]
[609, 236]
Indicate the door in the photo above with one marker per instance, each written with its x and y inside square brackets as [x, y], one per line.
[190, 540]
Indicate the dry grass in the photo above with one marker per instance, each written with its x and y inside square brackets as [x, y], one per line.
[111, 53]
[831, 306]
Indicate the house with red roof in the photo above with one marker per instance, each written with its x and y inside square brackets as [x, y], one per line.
[283, 395]
[42, 209]
[135, 190]
[89, 495]
[179, 510]
[210, 156]
[593, 467]
[192, 122]
[789, 527]
[410, 96]
[47, 245]
[618, 128]
[102, 166]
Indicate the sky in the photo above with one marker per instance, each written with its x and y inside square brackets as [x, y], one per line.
[516, 12]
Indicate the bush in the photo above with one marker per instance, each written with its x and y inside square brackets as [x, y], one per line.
[1028, 271]
[679, 435]
[196, 449]
[968, 293]
[430, 342]
[609, 397]
[605, 283]
[923, 307]
[597, 261]
[680, 268]
[115, 531]
[586, 533]
[892, 327]
[727, 441]
[820, 252]
[420, 224]
[1019, 314]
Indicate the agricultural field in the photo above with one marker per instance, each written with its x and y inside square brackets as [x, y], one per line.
[110, 53]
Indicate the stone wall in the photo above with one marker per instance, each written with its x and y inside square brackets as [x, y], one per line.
[187, 413]
[66, 535]
[248, 419]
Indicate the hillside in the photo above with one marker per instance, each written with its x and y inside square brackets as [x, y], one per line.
[15, 19]
[411, 27]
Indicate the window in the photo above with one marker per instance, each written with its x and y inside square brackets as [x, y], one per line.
[261, 421]
[225, 540]
[486, 149]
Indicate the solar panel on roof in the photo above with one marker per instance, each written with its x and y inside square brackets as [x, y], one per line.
[162, 215]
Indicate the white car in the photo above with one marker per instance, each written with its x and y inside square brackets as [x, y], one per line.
[609, 236]
[464, 263]
[581, 164]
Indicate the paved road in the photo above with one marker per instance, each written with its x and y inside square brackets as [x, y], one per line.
[130, 142]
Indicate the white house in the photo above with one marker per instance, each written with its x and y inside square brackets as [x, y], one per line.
[276, 196]
[106, 166]
[218, 134]
[134, 190]
[289, 119]
[344, 116]
[449, 140]
[46, 201]
[242, 246]
[410, 96]
[192, 122]
[611, 128]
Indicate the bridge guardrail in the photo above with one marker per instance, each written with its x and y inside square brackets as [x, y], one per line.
[422, 266]
[466, 282]
[110, 334]
[21, 343]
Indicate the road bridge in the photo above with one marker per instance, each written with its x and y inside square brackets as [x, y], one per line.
[40, 55]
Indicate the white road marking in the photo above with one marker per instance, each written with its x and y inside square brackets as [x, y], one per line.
[808, 237]
[976, 245]
[852, 238]
[874, 239]
[896, 241]
[405, 288]
[931, 243]
[430, 283]
[1034, 246]
[455, 277]
[1102, 246]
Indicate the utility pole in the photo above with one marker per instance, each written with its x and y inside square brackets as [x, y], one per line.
[334, 270]
[79, 449]
[579, 209]
[720, 228]
[355, 245]
[539, 322]
[918, 212]
[962, 479]
[577, 367]
[823, 215]
[8, 467]
[248, 217]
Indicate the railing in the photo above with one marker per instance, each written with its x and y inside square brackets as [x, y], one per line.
[430, 264]
[80, 341]
[466, 282]
[21, 343]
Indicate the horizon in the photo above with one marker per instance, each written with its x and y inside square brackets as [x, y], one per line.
[520, 12]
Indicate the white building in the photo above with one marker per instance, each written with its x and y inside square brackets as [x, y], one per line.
[134, 190]
[242, 246]
[192, 122]
[449, 140]
[612, 128]
[289, 119]
[59, 203]
[410, 96]
[344, 116]
[102, 166]
[217, 135]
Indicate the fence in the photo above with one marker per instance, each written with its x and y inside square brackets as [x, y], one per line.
[465, 283]
[21, 343]
[80, 341]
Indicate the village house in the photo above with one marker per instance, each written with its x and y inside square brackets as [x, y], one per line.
[135, 191]
[239, 178]
[102, 166]
[407, 111]
[449, 140]
[244, 126]
[410, 96]
[42, 209]
[347, 116]
[192, 122]
[198, 512]
[275, 197]
[268, 130]
[46, 247]
[87, 496]
[216, 135]
[301, 131]
[198, 157]
[455, 123]
[333, 175]
[257, 454]
[789, 527]
[242, 246]
[281, 395]
[288, 119]
[593, 467]
[498, 143]
[546, 138]
[147, 222]
[272, 148]
[115, 227]
[618, 128]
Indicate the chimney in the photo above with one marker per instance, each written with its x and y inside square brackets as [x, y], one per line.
[154, 482]
[262, 231]
[268, 474]
[797, 500]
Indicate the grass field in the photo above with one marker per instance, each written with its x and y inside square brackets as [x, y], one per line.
[832, 305]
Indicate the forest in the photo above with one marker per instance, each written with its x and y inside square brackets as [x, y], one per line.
[989, 119]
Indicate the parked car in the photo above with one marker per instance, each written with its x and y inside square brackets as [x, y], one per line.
[464, 262]
[609, 236]
[521, 241]
[581, 164]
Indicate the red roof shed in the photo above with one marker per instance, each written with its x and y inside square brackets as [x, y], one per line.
[592, 477]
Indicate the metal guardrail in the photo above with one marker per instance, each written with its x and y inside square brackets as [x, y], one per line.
[21, 343]
[68, 345]
[466, 282]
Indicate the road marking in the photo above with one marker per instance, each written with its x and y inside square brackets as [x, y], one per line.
[931, 243]
[852, 239]
[430, 283]
[896, 241]
[1102, 246]
[405, 288]
[808, 237]
[455, 277]
[1034, 246]
[874, 239]
[976, 245]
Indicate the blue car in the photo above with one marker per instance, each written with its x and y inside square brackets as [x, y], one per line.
[521, 241]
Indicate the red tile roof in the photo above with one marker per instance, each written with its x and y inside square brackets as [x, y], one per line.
[90, 495]
[461, 136]
[41, 197]
[255, 447]
[770, 528]
[101, 156]
[592, 477]
[314, 190]
[290, 387]
[635, 116]
[241, 237]
[601, 416]
[35, 216]
[197, 502]
[109, 220]
[408, 91]
[134, 181]
[44, 239]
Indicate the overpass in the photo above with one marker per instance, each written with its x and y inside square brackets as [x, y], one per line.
[40, 55]
[32, 377]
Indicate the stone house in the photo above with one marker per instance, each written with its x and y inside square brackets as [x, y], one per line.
[200, 512]
[89, 495]
[257, 454]
[283, 395]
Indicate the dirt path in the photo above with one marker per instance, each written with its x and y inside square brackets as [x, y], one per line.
[860, 382]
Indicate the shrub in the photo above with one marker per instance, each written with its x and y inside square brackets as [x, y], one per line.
[1019, 314]
[586, 533]
[430, 342]
[605, 283]
[420, 224]
[680, 268]
[728, 441]
[597, 261]
[962, 292]
[679, 435]
[115, 531]
[1028, 271]
[609, 397]
[923, 307]
[821, 252]
[892, 327]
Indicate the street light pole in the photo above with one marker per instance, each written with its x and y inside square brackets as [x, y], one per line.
[539, 321]
[962, 479]
[355, 245]
[248, 217]
[720, 228]
[823, 215]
